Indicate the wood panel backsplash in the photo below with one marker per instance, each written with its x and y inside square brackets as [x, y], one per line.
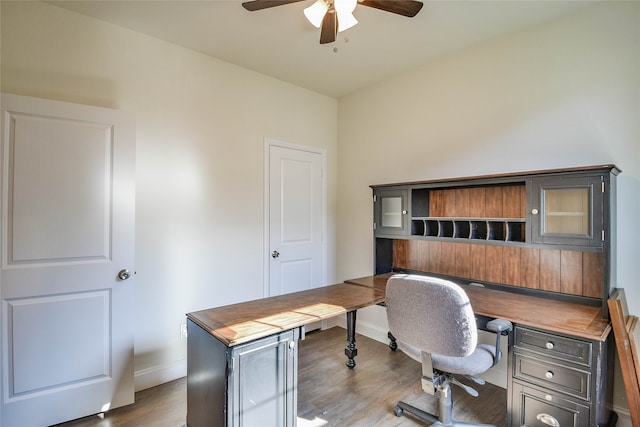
[506, 201]
[555, 270]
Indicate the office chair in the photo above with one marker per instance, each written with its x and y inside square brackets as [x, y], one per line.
[432, 321]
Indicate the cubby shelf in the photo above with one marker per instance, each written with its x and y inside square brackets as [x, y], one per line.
[497, 229]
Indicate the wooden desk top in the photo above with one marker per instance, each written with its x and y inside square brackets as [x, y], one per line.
[244, 322]
[556, 316]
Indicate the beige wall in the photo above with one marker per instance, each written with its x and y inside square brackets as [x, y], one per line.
[566, 93]
[201, 125]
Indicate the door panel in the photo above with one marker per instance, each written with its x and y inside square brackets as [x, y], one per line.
[46, 224]
[294, 273]
[68, 194]
[295, 220]
[34, 341]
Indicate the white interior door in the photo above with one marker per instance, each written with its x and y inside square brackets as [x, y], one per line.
[296, 220]
[67, 205]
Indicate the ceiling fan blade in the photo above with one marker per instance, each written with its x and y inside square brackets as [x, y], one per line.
[409, 8]
[265, 4]
[329, 28]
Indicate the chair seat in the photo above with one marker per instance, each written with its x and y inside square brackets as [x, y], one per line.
[476, 363]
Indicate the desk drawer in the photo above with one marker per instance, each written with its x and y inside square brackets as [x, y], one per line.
[553, 376]
[538, 408]
[561, 347]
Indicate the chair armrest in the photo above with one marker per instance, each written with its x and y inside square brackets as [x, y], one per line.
[499, 327]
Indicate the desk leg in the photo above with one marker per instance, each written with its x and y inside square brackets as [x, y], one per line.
[393, 345]
[351, 351]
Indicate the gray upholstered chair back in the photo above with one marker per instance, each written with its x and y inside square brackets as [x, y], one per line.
[431, 314]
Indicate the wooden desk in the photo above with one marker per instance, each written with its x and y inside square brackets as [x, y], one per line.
[560, 356]
[242, 358]
[557, 316]
[248, 321]
[232, 349]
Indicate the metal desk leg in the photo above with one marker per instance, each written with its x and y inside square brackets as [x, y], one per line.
[351, 351]
[393, 345]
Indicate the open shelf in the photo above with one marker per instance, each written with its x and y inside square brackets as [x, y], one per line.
[498, 229]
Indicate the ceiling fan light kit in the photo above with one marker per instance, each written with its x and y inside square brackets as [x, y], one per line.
[333, 16]
[316, 12]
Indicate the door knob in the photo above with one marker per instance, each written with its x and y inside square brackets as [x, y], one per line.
[124, 274]
[275, 254]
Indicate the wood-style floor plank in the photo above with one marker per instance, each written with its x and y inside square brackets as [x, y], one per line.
[329, 394]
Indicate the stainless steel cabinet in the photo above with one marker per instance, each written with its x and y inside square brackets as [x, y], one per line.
[253, 384]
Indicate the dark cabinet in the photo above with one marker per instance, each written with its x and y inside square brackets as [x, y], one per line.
[544, 232]
[568, 210]
[253, 384]
[548, 234]
[558, 380]
[390, 215]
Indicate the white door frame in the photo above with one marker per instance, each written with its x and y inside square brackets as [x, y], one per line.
[268, 143]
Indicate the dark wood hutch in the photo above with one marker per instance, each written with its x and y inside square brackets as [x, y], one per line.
[546, 234]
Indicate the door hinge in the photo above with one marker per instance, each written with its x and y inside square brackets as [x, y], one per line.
[375, 198]
[602, 186]
[603, 235]
[374, 225]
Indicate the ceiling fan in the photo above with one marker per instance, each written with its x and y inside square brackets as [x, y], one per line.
[334, 16]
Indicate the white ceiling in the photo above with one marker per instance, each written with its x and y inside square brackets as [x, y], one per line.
[281, 43]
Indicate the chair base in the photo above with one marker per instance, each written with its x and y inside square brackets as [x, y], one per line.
[402, 407]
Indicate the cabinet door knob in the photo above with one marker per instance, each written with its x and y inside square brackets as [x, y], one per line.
[549, 345]
[275, 254]
[548, 374]
[534, 211]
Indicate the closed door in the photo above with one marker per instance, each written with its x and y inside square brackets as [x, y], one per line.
[67, 253]
[296, 218]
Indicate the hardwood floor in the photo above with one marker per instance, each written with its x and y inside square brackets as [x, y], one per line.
[329, 394]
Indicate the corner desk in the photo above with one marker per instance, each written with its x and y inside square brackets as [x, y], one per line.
[242, 358]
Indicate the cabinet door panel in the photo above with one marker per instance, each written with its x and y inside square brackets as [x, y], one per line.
[264, 382]
[567, 211]
[390, 212]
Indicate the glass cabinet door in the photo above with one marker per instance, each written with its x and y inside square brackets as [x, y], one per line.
[567, 211]
[390, 212]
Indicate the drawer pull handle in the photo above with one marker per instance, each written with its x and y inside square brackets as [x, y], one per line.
[548, 420]
[548, 374]
[549, 345]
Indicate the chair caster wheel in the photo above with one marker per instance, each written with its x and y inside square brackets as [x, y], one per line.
[398, 411]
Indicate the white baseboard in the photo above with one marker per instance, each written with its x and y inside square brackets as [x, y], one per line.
[624, 417]
[156, 375]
